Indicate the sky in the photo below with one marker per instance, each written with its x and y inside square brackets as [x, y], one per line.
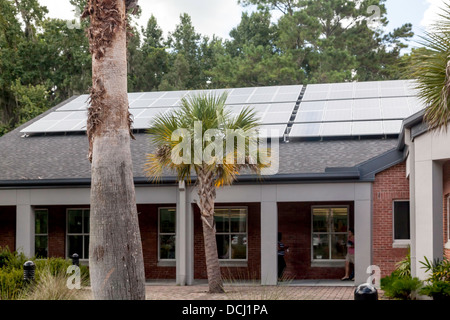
[218, 17]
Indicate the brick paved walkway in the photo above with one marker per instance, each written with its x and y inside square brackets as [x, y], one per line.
[250, 292]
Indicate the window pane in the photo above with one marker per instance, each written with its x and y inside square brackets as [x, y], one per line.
[41, 246]
[339, 219]
[167, 220]
[86, 247]
[223, 246]
[238, 246]
[320, 246]
[41, 221]
[86, 221]
[338, 246]
[221, 217]
[75, 221]
[401, 220]
[167, 247]
[75, 245]
[238, 220]
[320, 220]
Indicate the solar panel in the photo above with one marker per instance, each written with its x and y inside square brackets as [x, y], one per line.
[366, 103]
[366, 114]
[367, 128]
[312, 105]
[336, 129]
[272, 118]
[305, 130]
[309, 116]
[281, 107]
[337, 115]
[274, 131]
[415, 105]
[339, 104]
[392, 127]
[326, 109]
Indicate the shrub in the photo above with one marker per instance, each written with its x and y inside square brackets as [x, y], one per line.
[400, 284]
[438, 283]
[439, 290]
[397, 287]
[53, 286]
[11, 260]
[11, 284]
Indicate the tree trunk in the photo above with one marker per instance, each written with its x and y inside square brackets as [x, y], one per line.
[115, 249]
[207, 196]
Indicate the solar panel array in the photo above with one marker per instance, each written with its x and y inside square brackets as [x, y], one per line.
[355, 109]
[341, 109]
[273, 106]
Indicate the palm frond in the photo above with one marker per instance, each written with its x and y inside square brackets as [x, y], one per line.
[431, 68]
[212, 113]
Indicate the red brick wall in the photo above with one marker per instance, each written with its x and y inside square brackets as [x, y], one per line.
[389, 185]
[446, 174]
[56, 231]
[148, 223]
[253, 268]
[8, 227]
[294, 222]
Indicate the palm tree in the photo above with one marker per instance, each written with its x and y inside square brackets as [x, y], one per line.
[115, 249]
[194, 121]
[431, 68]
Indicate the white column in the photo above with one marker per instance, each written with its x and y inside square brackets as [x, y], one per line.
[181, 233]
[429, 220]
[185, 237]
[269, 232]
[363, 231]
[24, 224]
[411, 172]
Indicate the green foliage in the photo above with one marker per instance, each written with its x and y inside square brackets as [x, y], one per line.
[11, 284]
[432, 70]
[438, 282]
[403, 267]
[31, 100]
[398, 287]
[439, 289]
[13, 287]
[52, 285]
[400, 284]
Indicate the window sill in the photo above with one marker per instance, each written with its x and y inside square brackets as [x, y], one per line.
[327, 264]
[233, 264]
[401, 244]
[166, 263]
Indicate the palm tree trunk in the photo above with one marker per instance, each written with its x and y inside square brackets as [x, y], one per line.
[115, 250]
[207, 196]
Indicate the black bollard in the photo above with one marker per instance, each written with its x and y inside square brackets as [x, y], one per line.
[76, 259]
[29, 269]
[366, 292]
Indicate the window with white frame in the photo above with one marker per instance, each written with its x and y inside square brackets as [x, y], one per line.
[78, 232]
[231, 233]
[329, 233]
[401, 220]
[166, 233]
[41, 233]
